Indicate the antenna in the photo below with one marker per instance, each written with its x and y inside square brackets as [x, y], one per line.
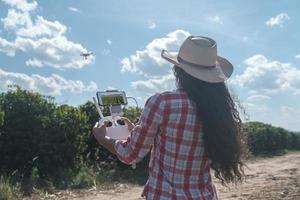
[98, 108]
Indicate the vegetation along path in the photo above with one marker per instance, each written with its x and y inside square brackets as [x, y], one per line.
[267, 178]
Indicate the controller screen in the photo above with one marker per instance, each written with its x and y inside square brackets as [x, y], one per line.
[113, 99]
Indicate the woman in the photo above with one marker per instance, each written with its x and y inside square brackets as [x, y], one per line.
[190, 130]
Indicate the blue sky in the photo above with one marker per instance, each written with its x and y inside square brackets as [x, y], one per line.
[40, 43]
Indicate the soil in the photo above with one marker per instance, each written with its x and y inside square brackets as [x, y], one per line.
[272, 178]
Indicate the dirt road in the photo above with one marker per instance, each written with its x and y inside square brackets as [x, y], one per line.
[267, 178]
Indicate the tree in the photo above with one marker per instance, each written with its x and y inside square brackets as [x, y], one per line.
[266, 139]
[132, 113]
[94, 153]
[1, 117]
[39, 136]
[26, 117]
[62, 145]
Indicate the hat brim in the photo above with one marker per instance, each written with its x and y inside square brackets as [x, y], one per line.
[220, 73]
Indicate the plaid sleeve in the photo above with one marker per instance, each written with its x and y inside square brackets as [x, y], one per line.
[142, 135]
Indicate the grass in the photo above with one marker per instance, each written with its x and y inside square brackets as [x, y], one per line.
[8, 190]
[85, 178]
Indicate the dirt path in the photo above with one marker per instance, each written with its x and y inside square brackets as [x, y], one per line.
[267, 178]
[270, 178]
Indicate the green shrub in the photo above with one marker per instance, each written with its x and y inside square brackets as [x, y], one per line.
[43, 145]
[8, 190]
[1, 117]
[62, 146]
[26, 118]
[85, 177]
[40, 137]
[267, 139]
[94, 153]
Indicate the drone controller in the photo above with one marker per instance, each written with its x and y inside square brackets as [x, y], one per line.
[116, 128]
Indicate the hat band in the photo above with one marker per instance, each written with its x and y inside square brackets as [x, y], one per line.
[182, 61]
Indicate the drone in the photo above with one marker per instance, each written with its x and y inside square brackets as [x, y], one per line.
[86, 55]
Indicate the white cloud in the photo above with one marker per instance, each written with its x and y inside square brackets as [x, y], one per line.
[109, 42]
[286, 110]
[57, 52]
[288, 117]
[297, 56]
[216, 19]
[22, 5]
[43, 41]
[252, 107]
[111, 88]
[73, 9]
[105, 52]
[282, 115]
[245, 38]
[7, 47]
[34, 62]
[258, 98]
[278, 20]
[166, 82]
[148, 61]
[151, 25]
[269, 76]
[42, 27]
[289, 113]
[15, 19]
[52, 85]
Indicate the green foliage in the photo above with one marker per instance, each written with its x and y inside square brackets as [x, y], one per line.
[46, 145]
[8, 190]
[132, 113]
[101, 159]
[43, 144]
[267, 139]
[1, 117]
[26, 117]
[94, 153]
[63, 144]
[40, 140]
[85, 177]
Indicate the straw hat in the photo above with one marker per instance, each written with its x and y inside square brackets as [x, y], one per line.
[198, 57]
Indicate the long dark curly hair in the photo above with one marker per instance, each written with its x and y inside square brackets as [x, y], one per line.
[221, 123]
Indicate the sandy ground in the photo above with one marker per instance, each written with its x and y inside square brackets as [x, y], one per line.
[266, 178]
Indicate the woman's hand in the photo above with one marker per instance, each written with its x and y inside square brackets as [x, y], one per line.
[99, 132]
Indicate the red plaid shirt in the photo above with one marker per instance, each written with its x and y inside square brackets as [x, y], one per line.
[178, 168]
